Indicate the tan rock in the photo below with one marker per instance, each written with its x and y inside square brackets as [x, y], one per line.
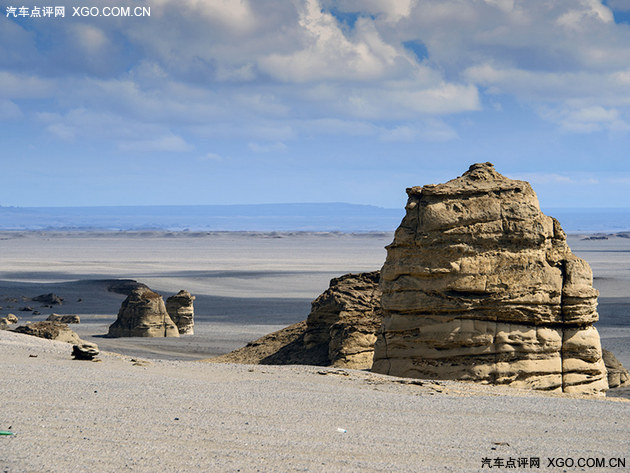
[479, 284]
[85, 351]
[10, 319]
[340, 330]
[143, 314]
[49, 330]
[618, 376]
[180, 309]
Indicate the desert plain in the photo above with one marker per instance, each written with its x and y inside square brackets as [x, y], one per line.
[150, 405]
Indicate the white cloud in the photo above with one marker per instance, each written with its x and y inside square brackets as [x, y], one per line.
[168, 143]
[583, 17]
[261, 70]
[325, 52]
[276, 147]
[211, 157]
[9, 110]
[23, 86]
[540, 178]
[429, 130]
[90, 37]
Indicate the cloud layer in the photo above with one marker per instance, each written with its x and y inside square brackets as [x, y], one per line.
[269, 73]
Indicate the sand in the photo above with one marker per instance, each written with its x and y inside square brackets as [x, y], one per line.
[175, 415]
[118, 416]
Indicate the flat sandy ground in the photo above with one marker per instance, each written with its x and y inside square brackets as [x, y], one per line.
[119, 416]
[179, 416]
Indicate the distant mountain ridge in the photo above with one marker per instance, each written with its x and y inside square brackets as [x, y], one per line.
[340, 217]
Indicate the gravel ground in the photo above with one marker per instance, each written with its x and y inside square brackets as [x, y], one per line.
[122, 415]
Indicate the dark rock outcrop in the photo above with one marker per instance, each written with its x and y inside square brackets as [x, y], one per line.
[143, 314]
[480, 285]
[182, 312]
[49, 299]
[124, 286]
[64, 319]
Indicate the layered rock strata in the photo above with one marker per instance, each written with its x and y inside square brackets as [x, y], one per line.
[618, 376]
[143, 314]
[339, 331]
[345, 318]
[181, 310]
[480, 285]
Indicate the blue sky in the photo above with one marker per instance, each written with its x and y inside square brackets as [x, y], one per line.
[265, 101]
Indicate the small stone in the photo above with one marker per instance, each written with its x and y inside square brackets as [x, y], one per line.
[85, 351]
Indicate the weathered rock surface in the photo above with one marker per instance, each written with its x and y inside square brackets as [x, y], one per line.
[345, 319]
[182, 312]
[49, 299]
[340, 330]
[10, 319]
[143, 314]
[618, 376]
[124, 286]
[480, 285]
[64, 319]
[85, 351]
[49, 330]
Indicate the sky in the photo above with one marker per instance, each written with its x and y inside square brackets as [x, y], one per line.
[273, 101]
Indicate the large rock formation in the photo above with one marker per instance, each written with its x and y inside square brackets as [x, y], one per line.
[180, 309]
[340, 330]
[143, 314]
[480, 285]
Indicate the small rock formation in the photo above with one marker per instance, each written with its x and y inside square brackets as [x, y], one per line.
[50, 331]
[618, 376]
[10, 319]
[64, 319]
[85, 351]
[143, 314]
[49, 299]
[345, 319]
[180, 309]
[480, 285]
[340, 330]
